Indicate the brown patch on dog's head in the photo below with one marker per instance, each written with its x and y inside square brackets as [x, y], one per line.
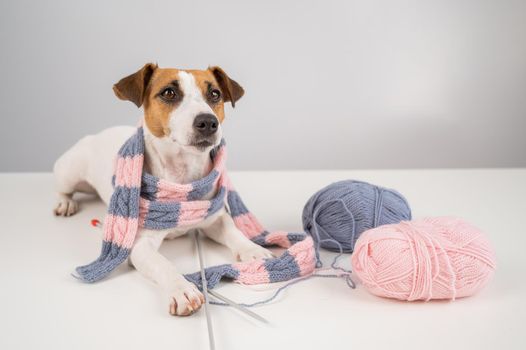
[157, 109]
[232, 91]
[132, 88]
[211, 91]
[159, 91]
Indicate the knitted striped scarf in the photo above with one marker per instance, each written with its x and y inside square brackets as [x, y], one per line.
[141, 200]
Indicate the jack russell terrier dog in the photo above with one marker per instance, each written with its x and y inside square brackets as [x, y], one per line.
[183, 112]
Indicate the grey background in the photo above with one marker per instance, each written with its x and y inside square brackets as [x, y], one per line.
[329, 84]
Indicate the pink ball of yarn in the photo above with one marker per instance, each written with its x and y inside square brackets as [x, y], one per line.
[432, 258]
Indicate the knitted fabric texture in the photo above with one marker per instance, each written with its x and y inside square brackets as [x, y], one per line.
[141, 200]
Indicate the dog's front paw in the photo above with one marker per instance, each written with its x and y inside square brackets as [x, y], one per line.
[66, 206]
[252, 252]
[185, 298]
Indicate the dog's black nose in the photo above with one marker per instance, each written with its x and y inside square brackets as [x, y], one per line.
[206, 124]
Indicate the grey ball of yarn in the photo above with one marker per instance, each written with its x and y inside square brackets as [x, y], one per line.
[337, 215]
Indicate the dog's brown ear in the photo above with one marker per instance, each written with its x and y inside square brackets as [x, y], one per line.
[133, 87]
[232, 91]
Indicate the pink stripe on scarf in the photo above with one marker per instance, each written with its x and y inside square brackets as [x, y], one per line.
[120, 231]
[252, 272]
[249, 225]
[220, 159]
[279, 238]
[193, 212]
[304, 256]
[225, 181]
[169, 192]
[174, 192]
[144, 206]
[128, 171]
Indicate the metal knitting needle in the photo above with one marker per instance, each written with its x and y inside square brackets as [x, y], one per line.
[205, 292]
[219, 296]
[238, 307]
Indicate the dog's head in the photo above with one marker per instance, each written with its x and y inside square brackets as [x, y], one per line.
[182, 106]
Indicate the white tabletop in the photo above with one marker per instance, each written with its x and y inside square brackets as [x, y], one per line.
[42, 306]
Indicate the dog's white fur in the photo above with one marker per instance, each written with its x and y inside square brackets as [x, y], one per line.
[88, 167]
[192, 105]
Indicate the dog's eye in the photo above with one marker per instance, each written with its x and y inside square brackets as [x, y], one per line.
[215, 95]
[169, 94]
